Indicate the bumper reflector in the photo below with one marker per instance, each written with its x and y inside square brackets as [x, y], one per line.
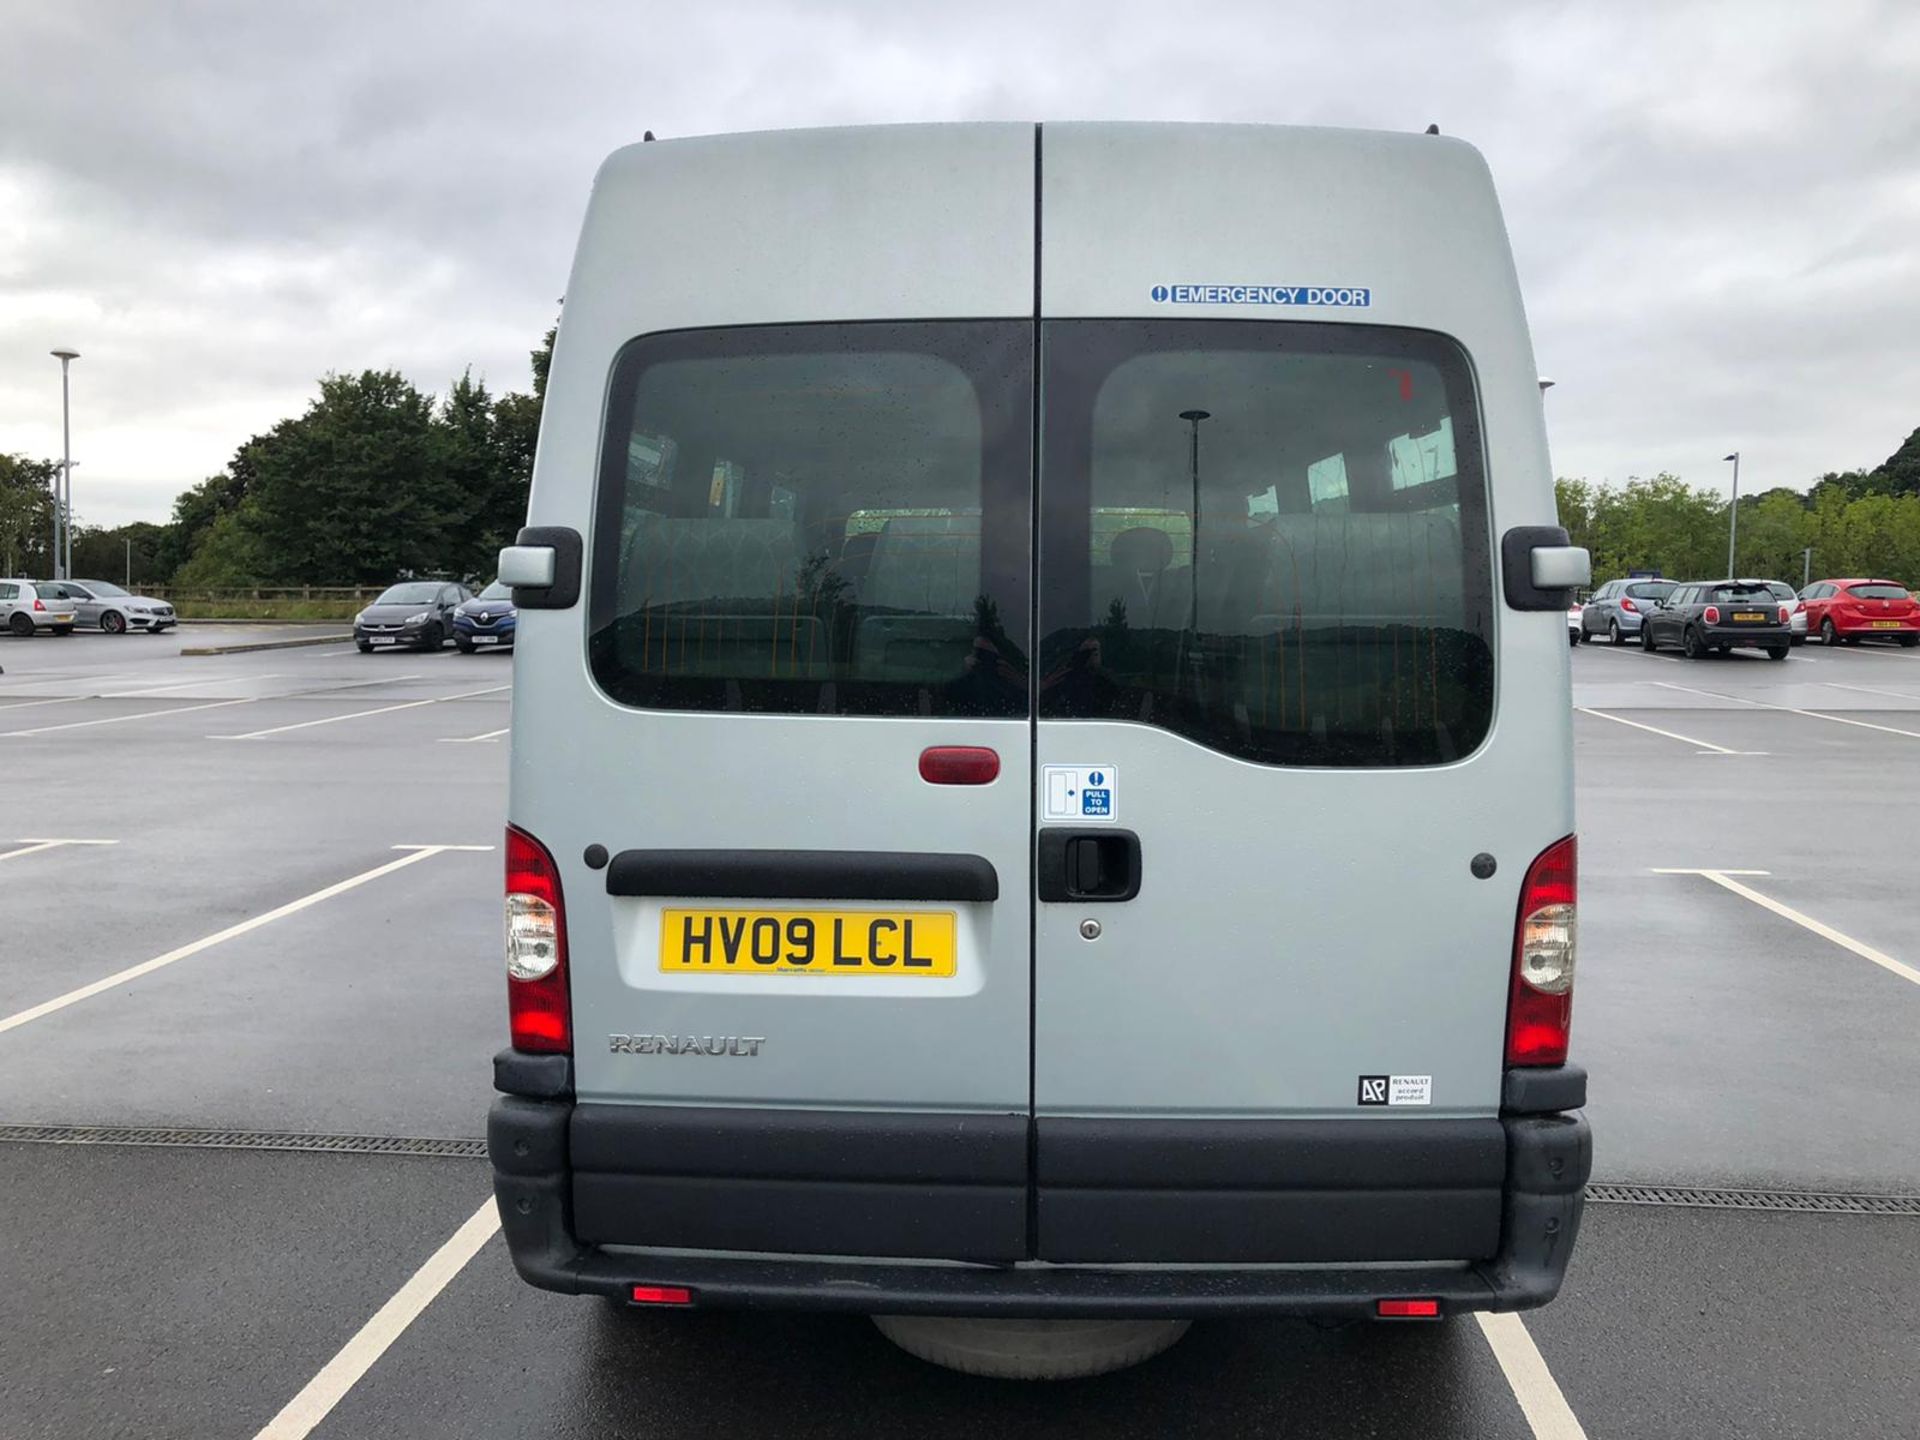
[1408, 1309]
[660, 1295]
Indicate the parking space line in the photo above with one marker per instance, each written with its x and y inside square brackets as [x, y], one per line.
[122, 719]
[34, 847]
[145, 967]
[184, 685]
[55, 700]
[474, 739]
[1789, 710]
[299, 1416]
[1871, 690]
[1806, 922]
[360, 714]
[1548, 1414]
[1706, 746]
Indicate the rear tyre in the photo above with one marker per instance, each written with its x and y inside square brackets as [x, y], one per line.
[21, 625]
[1613, 633]
[1031, 1349]
[114, 623]
[1691, 645]
[1778, 652]
[1828, 635]
[1907, 642]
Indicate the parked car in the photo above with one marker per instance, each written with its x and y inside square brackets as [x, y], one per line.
[1844, 611]
[1616, 609]
[1575, 634]
[1707, 615]
[106, 606]
[1796, 608]
[26, 612]
[415, 613]
[489, 618]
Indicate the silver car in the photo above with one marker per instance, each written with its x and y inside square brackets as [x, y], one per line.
[1617, 608]
[99, 604]
[26, 608]
[1790, 597]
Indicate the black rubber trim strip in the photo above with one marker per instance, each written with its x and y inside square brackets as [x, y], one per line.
[891, 1147]
[564, 592]
[538, 1077]
[1516, 568]
[803, 875]
[1546, 1090]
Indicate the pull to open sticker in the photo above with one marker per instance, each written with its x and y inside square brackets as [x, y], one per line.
[1080, 793]
[1396, 1090]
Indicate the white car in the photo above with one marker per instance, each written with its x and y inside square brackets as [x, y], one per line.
[1797, 607]
[99, 604]
[1575, 631]
[26, 609]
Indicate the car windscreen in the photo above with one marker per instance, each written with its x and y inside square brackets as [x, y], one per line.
[1270, 539]
[1650, 590]
[420, 592]
[496, 591]
[1738, 593]
[1877, 592]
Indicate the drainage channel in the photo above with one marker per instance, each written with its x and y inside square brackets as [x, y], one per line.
[1803, 1202]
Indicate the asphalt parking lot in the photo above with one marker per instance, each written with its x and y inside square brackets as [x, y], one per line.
[249, 939]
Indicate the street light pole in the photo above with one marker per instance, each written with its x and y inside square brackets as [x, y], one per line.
[1806, 567]
[1733, 518]
[63, 503]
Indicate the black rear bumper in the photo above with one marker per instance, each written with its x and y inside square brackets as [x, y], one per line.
[759, 1208]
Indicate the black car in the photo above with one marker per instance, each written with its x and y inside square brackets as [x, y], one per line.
[416, 614]
[1702, 616]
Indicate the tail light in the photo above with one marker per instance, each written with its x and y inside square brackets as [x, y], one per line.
[1540, 1003]
[537, 1000]
[1628, 605]
[1785, 615]
[1711, 615]
[40, 605]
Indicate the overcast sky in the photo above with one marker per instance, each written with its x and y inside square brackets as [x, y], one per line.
[1716, 208]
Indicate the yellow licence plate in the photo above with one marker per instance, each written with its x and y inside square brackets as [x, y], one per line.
[1748, 615]
[1886, 624]
[808, 942]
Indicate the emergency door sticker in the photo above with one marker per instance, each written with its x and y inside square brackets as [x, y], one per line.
[1396, 1090]
[1080, 793]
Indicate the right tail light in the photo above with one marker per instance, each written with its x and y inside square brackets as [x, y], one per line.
[1540, 1001]
[1711, 615]
[538, 1003]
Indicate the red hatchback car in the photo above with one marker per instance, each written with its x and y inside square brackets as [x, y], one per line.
[1843, 611]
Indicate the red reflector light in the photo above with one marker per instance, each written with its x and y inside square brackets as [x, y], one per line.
[539, 1011]
[1627, 604]
[1540, 1003]
[1711, 615]
[661, 1295]
[1408, 1309]
[959, 765]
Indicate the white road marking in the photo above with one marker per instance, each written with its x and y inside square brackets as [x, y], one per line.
[61, 700]
[360, 714]
[1695, 870]
[1805, 922]
[1871, 690]
[134, 972]
[469, 849]
[339, 1375]
[1790, 710]
[186, 685]
[1707, 746]
[1548, 1414]
[34, 847]
[122, 719]
[474, 739]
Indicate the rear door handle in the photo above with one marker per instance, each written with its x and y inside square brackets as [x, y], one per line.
[1099, 866]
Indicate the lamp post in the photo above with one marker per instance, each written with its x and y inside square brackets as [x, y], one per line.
[1806, 567]
[1733, 517]
[63, 502]
[1193, 419]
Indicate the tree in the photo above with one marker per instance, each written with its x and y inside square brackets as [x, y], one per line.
[109, 554]
[1899, 473]
[26, 515]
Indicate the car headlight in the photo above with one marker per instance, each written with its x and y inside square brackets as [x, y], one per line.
[361, 618]
[419, 619]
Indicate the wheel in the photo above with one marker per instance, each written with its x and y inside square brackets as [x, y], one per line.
[1691, 644]
[1828, 635]
[1613, 633]
[1646, 638]
[434, 638]
[21, 624]
[1907, 642]
[114, 623]
[363, 647]
[1777, 652]
[61, 629]
[463, 645]
[1031, 1349]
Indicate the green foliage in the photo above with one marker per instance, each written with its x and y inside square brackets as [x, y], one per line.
[1899, 473]
[108, 554]
[1854, 523]
[26, 515]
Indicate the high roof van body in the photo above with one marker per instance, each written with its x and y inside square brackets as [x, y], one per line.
[1042, 757]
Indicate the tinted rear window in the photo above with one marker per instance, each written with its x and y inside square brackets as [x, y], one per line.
[1739, 592]
[1878, 592]
[1269, 538]
[1650, 590]
[817, 519]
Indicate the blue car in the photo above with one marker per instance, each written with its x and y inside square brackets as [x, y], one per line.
[487, 620]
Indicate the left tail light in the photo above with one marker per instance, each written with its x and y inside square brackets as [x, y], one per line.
[1785, 615]
[1711, 615]
[1629, 607]
[537, 994]
[1540, 1002]
[40, 605]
